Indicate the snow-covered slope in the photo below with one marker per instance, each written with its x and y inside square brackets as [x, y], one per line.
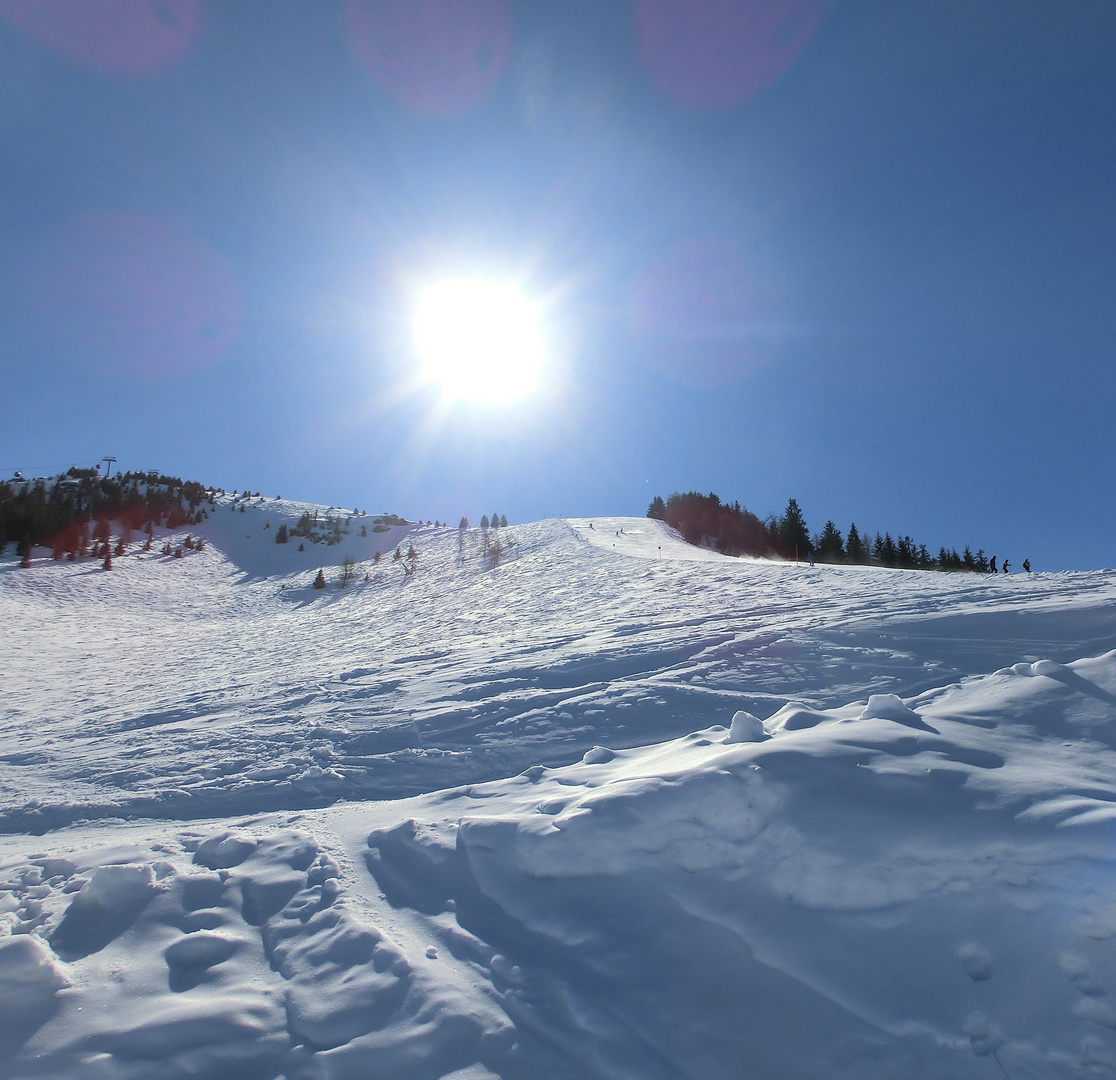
[617, 807]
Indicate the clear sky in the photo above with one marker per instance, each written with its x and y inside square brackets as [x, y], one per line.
[857, 253]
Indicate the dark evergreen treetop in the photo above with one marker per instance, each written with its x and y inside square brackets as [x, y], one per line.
[830, 546]
[794, 533]
[855, 549]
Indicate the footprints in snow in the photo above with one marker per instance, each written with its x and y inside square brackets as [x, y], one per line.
[261, 960]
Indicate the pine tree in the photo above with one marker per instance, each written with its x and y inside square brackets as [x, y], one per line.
[484, 522]
[463, 524]
[495, 521]
[107, 564]
[281, 534]
[320, 581]
[793, 532]
[831, 548]
[503, 522]
[657, 509]
[855, 551]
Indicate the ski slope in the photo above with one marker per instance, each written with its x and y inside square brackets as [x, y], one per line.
[617, 807]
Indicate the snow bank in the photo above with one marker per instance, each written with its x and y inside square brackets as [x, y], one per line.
[872, 894]
[665, 817]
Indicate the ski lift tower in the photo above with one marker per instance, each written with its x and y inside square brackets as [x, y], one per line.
[109, 461]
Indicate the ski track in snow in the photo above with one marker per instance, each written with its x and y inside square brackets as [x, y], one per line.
[620, 807]
[204, 688]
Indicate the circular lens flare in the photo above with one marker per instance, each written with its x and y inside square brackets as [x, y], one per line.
[479, 340]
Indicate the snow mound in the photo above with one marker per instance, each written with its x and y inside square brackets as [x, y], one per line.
[891, 707]
[793, 717]
[30, 978]
[798, 881]
[745, 728]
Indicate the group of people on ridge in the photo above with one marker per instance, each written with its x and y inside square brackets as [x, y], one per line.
[1006, 566]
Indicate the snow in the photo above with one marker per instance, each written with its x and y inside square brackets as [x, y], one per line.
[745, 728]
[618, 807]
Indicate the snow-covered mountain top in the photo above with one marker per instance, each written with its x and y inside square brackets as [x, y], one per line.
[642, 538]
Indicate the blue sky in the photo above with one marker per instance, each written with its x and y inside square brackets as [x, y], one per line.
[860, 254]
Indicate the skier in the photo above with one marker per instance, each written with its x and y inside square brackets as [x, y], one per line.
[992, 565]
[1005, 567]
[1027, 566]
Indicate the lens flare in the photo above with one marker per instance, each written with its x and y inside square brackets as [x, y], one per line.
[116, 37]
[713, 54]
[438, 57]
[479, 341]
[132, 296]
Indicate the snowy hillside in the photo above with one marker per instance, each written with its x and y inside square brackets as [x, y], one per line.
[615, 807]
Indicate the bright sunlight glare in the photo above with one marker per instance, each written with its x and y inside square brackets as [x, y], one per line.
[479, 340]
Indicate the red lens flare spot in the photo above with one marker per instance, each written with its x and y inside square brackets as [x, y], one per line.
[712, 54]
[136, 297]
[116, 37]
[703, 315]
[438, 57]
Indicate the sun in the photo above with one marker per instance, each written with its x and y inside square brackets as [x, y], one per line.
[479, 341]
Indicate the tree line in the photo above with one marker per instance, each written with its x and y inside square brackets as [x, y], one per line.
[59, 512]
[734, 530]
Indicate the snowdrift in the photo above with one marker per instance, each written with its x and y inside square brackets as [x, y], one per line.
[605, 812]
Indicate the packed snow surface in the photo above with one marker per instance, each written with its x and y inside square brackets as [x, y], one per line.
[613, 807]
